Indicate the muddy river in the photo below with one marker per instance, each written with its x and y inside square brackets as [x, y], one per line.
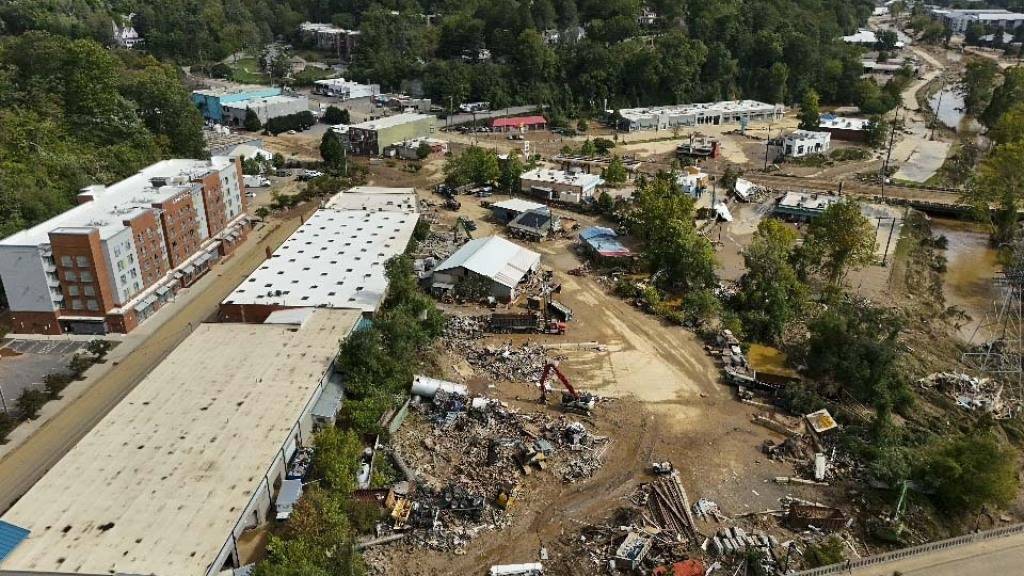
[971, 268]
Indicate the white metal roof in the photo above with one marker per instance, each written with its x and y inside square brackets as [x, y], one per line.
[376, 199]
[158, 485]
[843, 122]
[517, 205]
[335, 260]
[562, 177]
[112, 205]
[494, 257]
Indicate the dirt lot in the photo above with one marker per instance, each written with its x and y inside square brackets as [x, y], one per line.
[665, 401]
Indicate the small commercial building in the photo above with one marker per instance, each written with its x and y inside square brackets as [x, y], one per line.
[371, 138]
[708, 113]
[520, 123]
[534, 225]
[334, 260]
[560, 186]
[503, 264]
[866, 38]
[800, 143]
[693, 181]
[345, 89]
[211, 102]
[602, 242]
[190, 461]
[507, 210]
[233, 113]
[802, 207]
[845, 128]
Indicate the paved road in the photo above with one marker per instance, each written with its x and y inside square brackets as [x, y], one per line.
[992, 557]
[24, 465]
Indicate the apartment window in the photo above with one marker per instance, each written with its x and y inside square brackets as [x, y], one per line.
[70, 275]
[89, 290]
[92, 305]
[120, 265]
[65, 261]
[73, 290]
[124, 279]
[76, 304]
[82, 261]
[86, 276]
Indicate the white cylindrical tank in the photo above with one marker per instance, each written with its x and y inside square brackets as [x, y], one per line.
[426, 387]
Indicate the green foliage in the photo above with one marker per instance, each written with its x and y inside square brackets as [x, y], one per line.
[262, 212]
[1000, 183]
[423, 150]
[877, 131]
[854, 346]
[771, 294]
[582, 125]
[510, 171]
[664, 220]
[968, 472]
[332, 150]
[474, 165]
[809, 110]
[73, 113]
[979, 82]
[299, 121]
[1010, 127]
[278, 160]
[828, 552]
[1007, 95]
[55, 383]
[78, 364]
[800, 399]
[336, 459]
[603, 146]
[252, 121]
[615, 174]
[605, 203]
[701, 306]
[838, 240]
[99, 348]
[30, 402]
[7, 424]
[334, 115]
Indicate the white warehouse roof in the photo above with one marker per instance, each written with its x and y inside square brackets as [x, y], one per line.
[561, 177]
[375, 199]
[335, 260]
[494, 257]
[517, 205]
[158, 486]
[390, 121]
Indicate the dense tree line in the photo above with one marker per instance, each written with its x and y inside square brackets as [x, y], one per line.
[73, 113]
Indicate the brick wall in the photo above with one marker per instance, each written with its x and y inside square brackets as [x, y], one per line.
[35, 323]
[213, 197]
[150, 249]
[180, 228]
[82, 269]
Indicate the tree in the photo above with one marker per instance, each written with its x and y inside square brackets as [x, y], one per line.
[877, 131]
[7, 424]
[588, 148]
[423, 150]
[1005, 96]
[78, 364]
[968, 472]
[701, 306]
[332, 150]
[810, 114]
[474, 165]
[278, 160]
[887, 40]
[98, 348]
[511, 171]
[684, 258]
[1000, 183]
[771, 294]
[615, 173]
[582, 125]
[838, 240]
[252, 121]
[55, 383]
[605, 203]
[262, 212]
[30, 402]
[334, 115]
[1010, 127]
[979, 82]
[603, 146]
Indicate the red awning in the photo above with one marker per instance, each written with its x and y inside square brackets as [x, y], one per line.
[518, 122]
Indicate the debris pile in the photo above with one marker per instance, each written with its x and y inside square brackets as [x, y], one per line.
[972, 393]
[505, 362]
[438, 245]
[470, 457]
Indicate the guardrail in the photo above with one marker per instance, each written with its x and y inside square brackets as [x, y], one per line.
[919, 550]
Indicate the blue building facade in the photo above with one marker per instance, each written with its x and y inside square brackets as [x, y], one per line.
[210, 102]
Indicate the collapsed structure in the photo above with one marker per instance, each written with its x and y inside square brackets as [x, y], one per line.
[175, 476]
[113, 260]
[334, 260]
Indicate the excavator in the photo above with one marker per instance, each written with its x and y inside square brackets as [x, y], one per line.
[572, 401]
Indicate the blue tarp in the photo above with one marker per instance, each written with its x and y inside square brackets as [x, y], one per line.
[604, 241]
[10, 537]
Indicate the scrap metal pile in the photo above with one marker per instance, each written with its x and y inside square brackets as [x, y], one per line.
[972, 393]
[470, 457]
[504, 362]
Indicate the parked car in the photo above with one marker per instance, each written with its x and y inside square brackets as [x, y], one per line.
[310, 174]
[256, 181]
[283, 173]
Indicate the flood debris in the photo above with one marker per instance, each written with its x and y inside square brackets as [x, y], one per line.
[972, 393]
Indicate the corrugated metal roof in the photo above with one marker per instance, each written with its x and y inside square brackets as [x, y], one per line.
[604, 241]
[10, 537]
[518, 121]
[517, 205]
[494, 257]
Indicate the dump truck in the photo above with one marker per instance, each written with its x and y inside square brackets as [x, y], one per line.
[529, 322]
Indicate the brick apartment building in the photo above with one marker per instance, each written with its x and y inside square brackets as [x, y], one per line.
[113, 260]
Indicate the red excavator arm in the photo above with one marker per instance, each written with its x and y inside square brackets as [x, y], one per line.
[548, 368]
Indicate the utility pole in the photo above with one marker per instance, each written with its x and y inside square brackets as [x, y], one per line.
[885, 254]
[888, 154]
[938, 107]
[767, 144]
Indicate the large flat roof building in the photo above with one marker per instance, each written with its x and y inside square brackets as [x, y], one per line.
[108, 263]
[177, 472]
[265, 108]
[334, 260]
[372, 137]
[713, 113]
[345, 89]
[959, 20]
[211, 101]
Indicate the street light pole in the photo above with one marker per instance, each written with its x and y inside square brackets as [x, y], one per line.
[888, 154]
[767, 144]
